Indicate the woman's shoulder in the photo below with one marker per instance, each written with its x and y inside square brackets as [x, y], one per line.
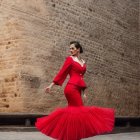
[68, 58]
[71, 57]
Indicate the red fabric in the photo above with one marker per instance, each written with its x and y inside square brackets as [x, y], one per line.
[76, 121]
[75, 71]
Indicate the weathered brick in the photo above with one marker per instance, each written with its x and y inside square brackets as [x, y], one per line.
[34, 40]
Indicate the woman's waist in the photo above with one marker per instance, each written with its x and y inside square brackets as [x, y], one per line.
[79, 83]
[78, 87]
[74, 85]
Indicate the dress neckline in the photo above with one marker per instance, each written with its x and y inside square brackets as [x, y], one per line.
[78, 62]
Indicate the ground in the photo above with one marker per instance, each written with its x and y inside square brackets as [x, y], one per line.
[39, 136]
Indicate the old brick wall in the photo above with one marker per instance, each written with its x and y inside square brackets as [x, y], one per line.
[34, 39]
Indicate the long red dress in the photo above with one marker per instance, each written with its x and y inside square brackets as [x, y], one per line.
[75, 121]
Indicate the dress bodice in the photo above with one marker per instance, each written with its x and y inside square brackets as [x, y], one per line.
[74, 69]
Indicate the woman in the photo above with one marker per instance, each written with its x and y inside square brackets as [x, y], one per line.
[75, 121]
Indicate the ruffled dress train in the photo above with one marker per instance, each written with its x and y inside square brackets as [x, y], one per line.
[76, 121]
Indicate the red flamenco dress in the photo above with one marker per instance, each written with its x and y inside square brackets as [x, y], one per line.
[75, 121]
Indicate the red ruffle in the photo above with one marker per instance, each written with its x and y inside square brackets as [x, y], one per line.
[74, 123]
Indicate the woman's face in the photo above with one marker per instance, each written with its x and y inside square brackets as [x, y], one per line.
[73, 50]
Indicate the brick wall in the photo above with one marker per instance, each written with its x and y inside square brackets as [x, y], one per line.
[34, 39]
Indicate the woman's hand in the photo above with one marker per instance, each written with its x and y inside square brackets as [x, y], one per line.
[85, 97]
[48, 89]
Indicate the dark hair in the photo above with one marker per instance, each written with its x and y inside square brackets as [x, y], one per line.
[77, 45]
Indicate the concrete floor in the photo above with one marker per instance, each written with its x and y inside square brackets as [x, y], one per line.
[39, 136]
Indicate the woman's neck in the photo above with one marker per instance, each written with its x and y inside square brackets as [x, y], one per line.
[76, 56]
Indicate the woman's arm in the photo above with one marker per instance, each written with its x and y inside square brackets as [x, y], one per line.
[47, 89]
[61, 75]
[63, 72]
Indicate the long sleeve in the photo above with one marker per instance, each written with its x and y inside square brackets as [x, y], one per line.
[63, 72]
